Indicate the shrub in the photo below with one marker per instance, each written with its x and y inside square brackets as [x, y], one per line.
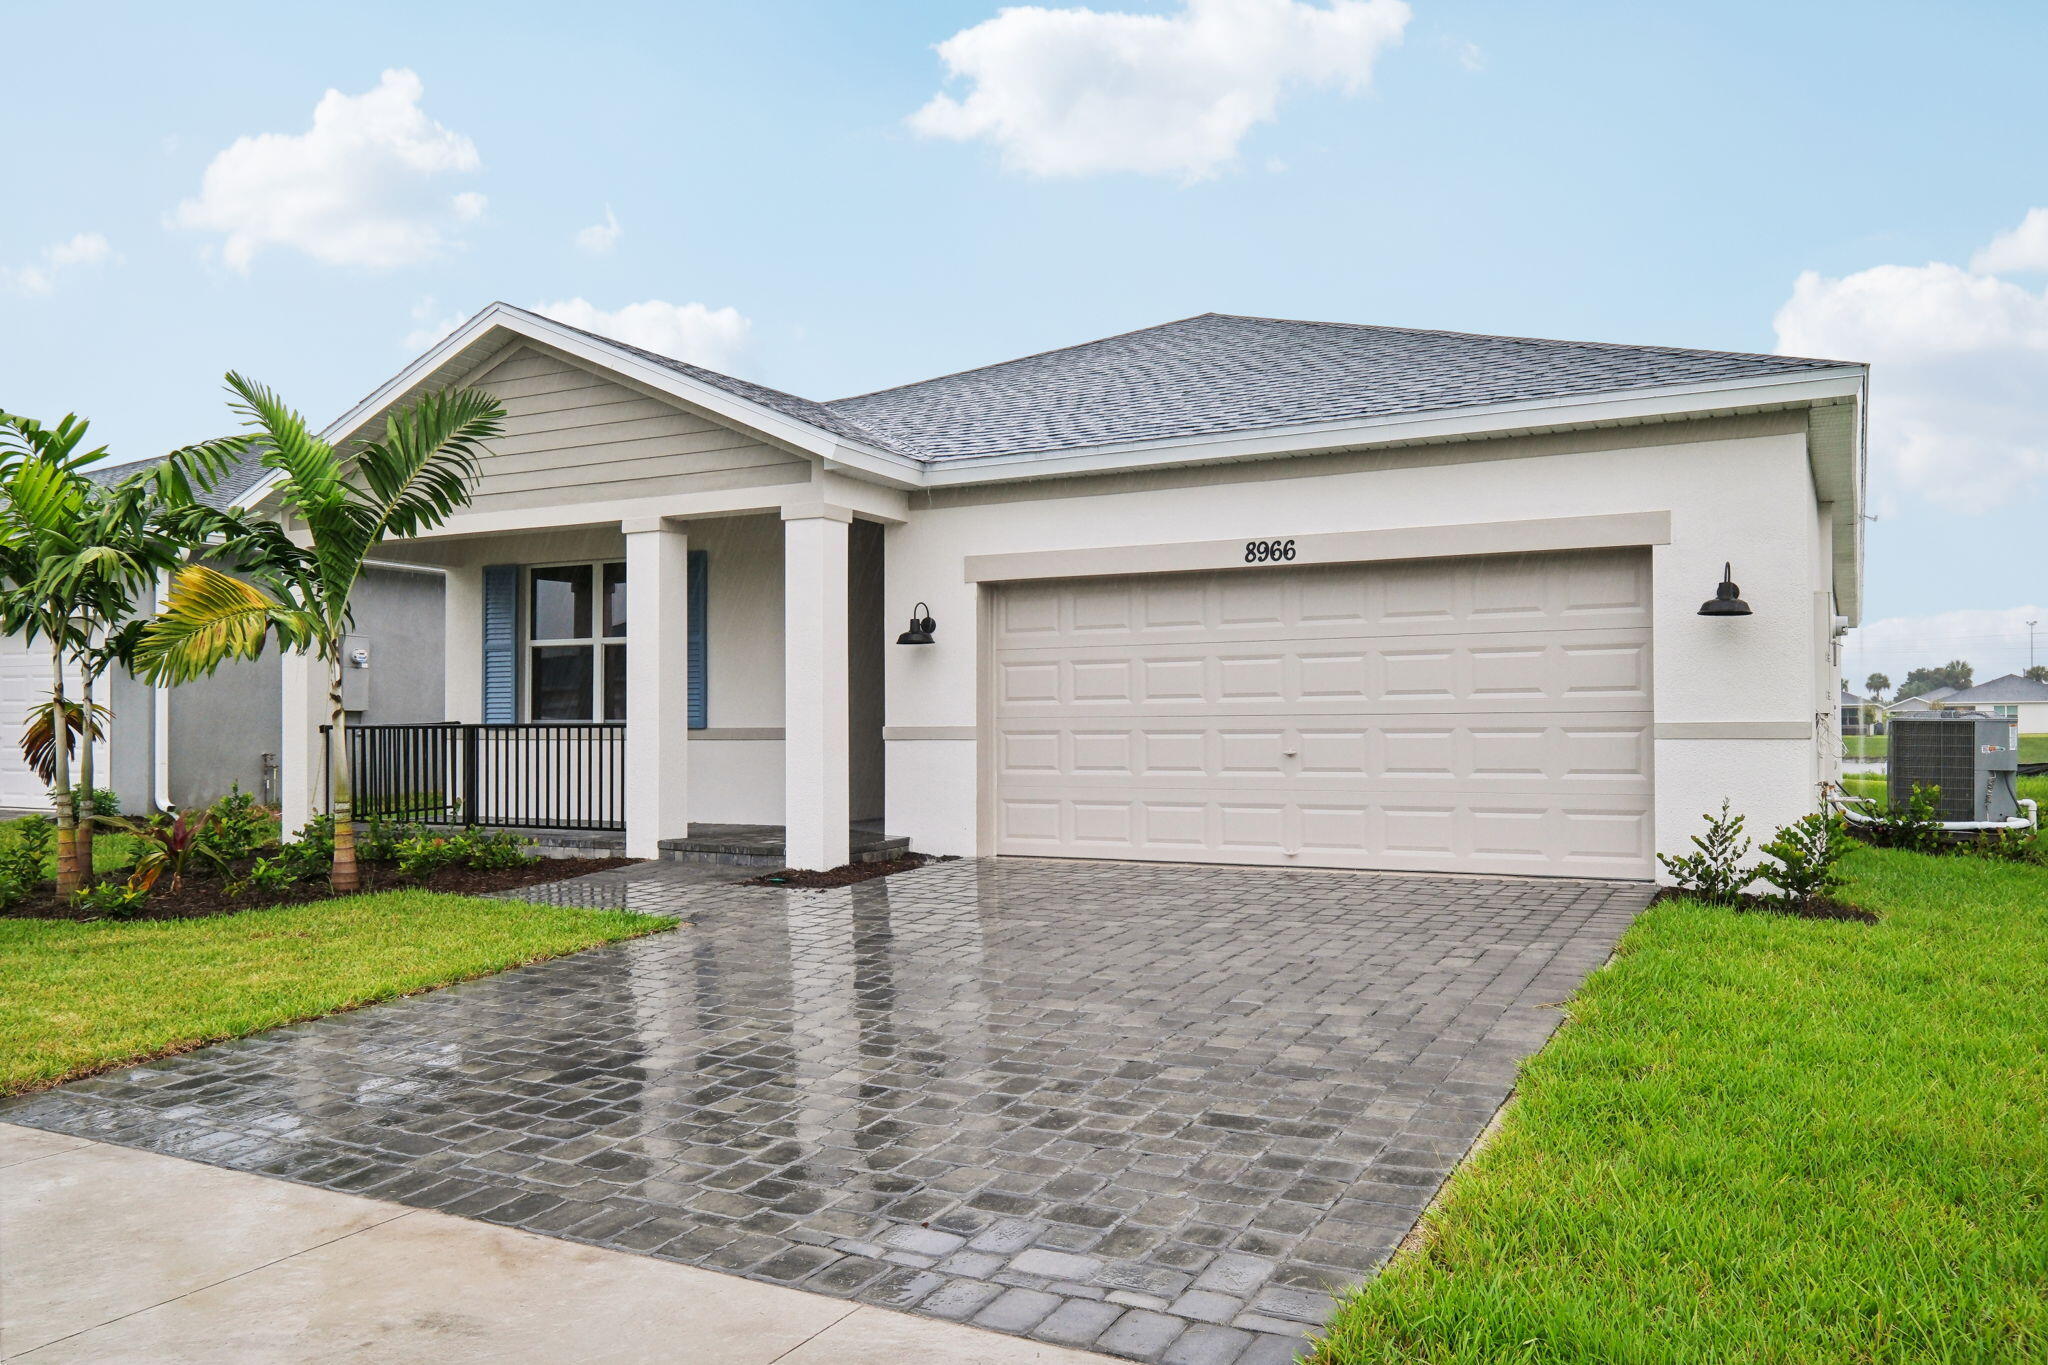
[168, 845]
[377, 841]
[270, 875]
[1803, 857]
[236, 827]
[23, 859]
[95, 801]
[110, 900]
[422, 855]
[1915, 827]
[310, 852]
[2007, 845]
[496, 850]
[11, 893]
[1713, 872]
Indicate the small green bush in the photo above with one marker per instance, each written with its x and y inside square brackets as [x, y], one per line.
[237, 827]
[110, 900]
[11, 893]
[497, 850]
[377, 840]
[22, 860]
[1804, 856]
[1713, 872]
[422, 855]
[1915, 827]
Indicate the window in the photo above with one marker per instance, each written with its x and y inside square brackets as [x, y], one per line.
[576, 642]
[2009, 712]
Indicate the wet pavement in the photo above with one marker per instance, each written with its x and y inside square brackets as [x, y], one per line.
[1159, 1112]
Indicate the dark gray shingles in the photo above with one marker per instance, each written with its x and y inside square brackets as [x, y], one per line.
[239, 479]
[1219, 373]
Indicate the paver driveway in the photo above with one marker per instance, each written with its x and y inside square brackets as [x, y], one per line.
[1160, 1112]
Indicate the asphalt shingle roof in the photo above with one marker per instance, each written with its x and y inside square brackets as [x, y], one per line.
[1219, 373]
[2013, 687]
[239, 479]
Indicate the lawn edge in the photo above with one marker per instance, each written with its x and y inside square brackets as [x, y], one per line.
[657, 925]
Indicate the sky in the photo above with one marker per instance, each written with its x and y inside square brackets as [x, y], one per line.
[836, 197]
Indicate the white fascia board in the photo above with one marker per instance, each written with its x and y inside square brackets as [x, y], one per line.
[825, 445]
[1497, 419]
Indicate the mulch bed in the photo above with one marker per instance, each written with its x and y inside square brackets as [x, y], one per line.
[1818, 908]
[200, 897]
[790, 877]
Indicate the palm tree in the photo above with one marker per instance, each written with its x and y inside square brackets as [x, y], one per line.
[74, 554]
[344, 506]
[1876, 685]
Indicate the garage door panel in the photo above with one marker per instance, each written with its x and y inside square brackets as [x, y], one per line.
[1468, 715]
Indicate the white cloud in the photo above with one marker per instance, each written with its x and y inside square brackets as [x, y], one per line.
[2017, 251]
[363, 186]
[1082, 91]
[1994, 641]
[427, 328]
[712, 337]
[600, 238]
[1959, 373]
[86, 248]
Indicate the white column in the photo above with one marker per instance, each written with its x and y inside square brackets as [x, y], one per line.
[462, 634]
[657, 684]
[814, 697]
[301, 792]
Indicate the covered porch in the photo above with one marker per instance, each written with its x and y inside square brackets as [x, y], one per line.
[707, 688]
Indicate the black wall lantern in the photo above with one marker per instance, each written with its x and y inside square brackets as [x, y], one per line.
[922, 626]
[1727, 599]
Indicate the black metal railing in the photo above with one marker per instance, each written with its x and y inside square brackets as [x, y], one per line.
[544, 775]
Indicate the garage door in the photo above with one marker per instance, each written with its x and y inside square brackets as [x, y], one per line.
[24, 681]
[1477, 715]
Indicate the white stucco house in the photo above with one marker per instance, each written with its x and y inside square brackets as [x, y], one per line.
[1229, 589]
[2014, 696]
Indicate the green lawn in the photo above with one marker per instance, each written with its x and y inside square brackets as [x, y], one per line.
[79, 997]
[1865, 746]
[1764, 1139]
[111, 852]
[2034, 748]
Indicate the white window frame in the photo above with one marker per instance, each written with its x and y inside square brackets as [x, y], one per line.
[596, 642]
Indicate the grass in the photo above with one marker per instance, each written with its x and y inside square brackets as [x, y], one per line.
[2034, 748]
[1764, 1139]
[111, 851]
[81, 997]
[1872, 786]
[1865, 746]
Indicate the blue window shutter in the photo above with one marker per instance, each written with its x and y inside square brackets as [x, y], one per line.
[501, 643]
[700, 632]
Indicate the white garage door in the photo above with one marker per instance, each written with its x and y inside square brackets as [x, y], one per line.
[1476, 715]
[24, 681]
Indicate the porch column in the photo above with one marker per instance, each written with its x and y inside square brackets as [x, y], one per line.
[657, 684]
[462, 673]
[300, 760]
[814, 687]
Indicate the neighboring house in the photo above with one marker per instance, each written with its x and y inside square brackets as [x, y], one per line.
[185, 746]
[1858, 714]
[1924, 701]
[1229, 589]
[2014, 696]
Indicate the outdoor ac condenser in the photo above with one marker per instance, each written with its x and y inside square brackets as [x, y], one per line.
[1974, 758]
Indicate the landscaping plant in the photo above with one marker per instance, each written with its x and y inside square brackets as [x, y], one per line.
[408, 480]
[1713, 871]
[109, 900]
[236, 827]
[1803, 858]
[168, 844]
[74, 555]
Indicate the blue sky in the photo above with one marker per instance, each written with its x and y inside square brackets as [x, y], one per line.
[1625, 172]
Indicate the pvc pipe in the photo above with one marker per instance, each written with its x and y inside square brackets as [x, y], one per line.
[2030, 820]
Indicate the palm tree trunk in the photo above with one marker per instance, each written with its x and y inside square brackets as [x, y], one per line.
[68, 878]
[89, 816]
[347, 877]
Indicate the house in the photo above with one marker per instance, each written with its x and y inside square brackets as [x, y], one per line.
[1860, 715]
[1229, 589]
[2014, 696]
[1924, 701]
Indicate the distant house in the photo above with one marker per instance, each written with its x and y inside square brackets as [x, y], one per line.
[2014, 695]
[1860, 715]
[1925, 701]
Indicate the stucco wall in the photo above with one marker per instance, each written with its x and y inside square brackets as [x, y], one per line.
[1735, 491]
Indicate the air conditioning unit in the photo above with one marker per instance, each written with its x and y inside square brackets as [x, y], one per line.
[1973, 757]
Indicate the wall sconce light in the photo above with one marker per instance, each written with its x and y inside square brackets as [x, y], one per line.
[922, 626]
[1727, 599]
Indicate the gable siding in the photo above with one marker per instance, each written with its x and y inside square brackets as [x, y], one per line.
[574, 436]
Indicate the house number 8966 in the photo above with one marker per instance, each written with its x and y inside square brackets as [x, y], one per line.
[1268, 551]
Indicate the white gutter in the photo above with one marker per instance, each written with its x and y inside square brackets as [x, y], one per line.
[160, 728]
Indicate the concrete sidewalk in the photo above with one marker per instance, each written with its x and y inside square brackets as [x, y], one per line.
[108, 1254]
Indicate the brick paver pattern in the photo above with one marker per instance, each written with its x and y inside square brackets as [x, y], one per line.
[1161, 1112]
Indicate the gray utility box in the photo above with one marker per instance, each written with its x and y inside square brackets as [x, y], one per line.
[1974, 758]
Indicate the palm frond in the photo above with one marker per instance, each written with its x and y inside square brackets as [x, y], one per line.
[422, 469]
[212, 617]
[39, 734]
